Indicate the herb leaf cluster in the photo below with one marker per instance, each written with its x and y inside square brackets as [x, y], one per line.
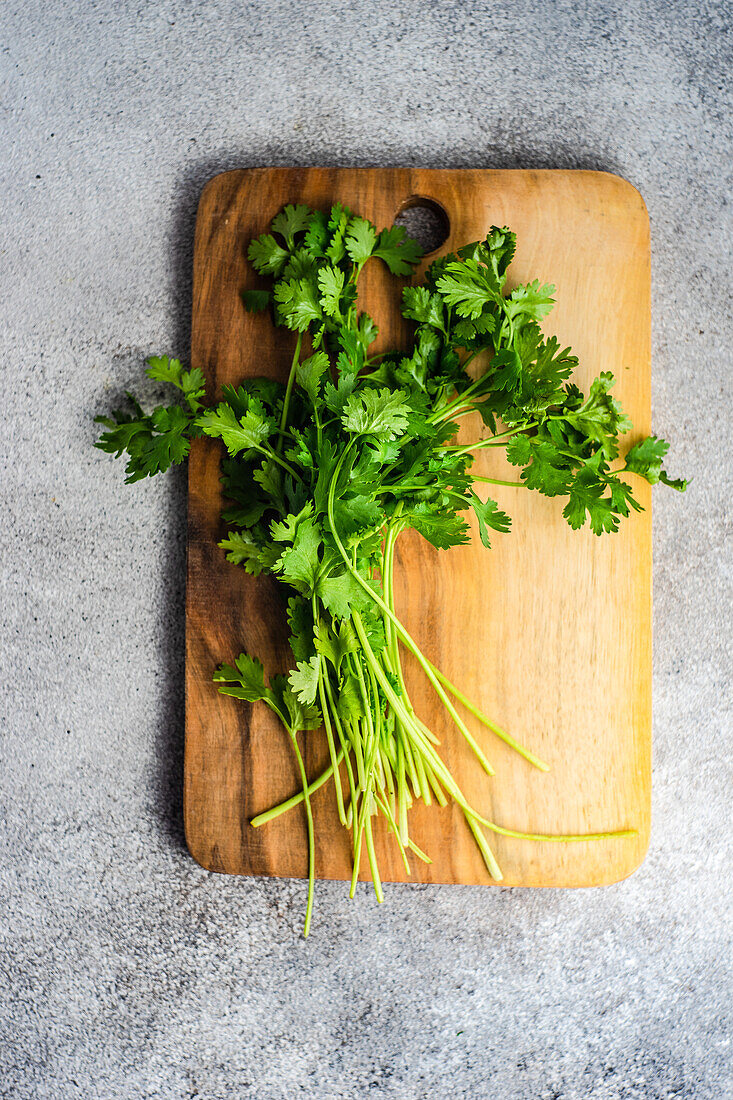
[323, 474]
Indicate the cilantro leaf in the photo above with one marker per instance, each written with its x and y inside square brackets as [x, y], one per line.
[335, 645]
[545, 468]
[299, 564]
[267, 256]
[354, 514]
[316, 237]
[376, 412]
[360, 240]
[335, 397]
[506, 369]
[467, 288]
[301, 265]
[301, 716]
[309, 373]
[500, 245]
[238, 434]
[291, 221]
[153, 443]
[337, 223]
[331, 287]
[645, 458]
[241, 549]
[441, 529]
[418, 304]
[285, 530]
[190, 383]
[489, 517]
[586, 497]
[255, 301]
[304, 678]
[300, 621]
[248, 675]
[298, 303]
[342, 594]
[366, 331]
[533, 301]
[600, 418]
[397, 250]
[350, 707]
[622, 499]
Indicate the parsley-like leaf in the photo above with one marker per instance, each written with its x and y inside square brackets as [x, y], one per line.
[360, 240]
[304, 679]
[291, 221]
[267, 256]
[238, 434]
[376, 412]
[249, 676]
[490, 517]
[397, 250]
[255, 301]
[331, 287]
[309, 373]
[645, 458]
[298, 303]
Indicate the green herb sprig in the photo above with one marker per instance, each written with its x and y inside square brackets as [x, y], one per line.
[324, 474]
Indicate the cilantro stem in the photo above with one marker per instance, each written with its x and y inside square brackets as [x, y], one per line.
[342, 738]
[472, 817]
[436, 787]
[384, 806]
[407, 640]
[488, 856]
[374, 724]
[455, 792]
[491, 441]
[388, 583]
[291, 380]
[446, 411]
[327, 726]
[422, 780]
[372, 856]
[506, 737]
[291, 803]
[311, 834]
[496, 481]
[270, 453]
[418, 852]
[409, 763]
[331, 748]
[567, 838]
[359, 818]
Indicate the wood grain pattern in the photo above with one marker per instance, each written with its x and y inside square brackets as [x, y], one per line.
[550, 632]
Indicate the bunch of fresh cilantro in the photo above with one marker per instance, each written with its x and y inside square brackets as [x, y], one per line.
[322, 476]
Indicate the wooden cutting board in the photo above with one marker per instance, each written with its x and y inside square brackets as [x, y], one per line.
[549, 632]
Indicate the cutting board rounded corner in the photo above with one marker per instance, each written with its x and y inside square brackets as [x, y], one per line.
[216, 184]
[619, 871]
[208, 857]
[199, 851]
[618, 187]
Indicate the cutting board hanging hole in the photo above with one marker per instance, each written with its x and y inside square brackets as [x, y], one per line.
[426, 221]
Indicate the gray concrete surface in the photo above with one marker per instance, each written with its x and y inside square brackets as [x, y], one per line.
[127, 971]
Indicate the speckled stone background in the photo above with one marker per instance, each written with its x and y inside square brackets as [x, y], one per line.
[127, 971]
